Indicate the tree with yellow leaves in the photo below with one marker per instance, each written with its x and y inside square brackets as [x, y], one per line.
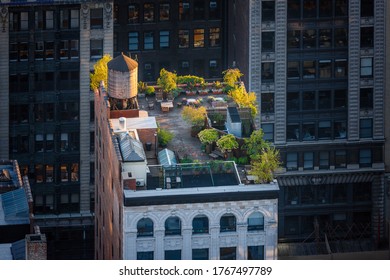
[244, 99]
[100, 72]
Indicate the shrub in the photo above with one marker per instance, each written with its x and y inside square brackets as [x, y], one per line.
[164, 136]
[227, 142]
[208, 136]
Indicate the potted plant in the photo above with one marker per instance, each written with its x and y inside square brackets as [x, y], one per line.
[227, 143]
[195, 117]
[208, 137]
[164, 136]
[217, 88]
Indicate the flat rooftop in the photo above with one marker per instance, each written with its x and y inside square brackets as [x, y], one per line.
[8, 175]
[135, 123]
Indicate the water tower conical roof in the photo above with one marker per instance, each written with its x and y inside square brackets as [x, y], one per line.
[122, 63]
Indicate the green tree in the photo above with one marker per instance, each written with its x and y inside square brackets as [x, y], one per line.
[264, 165]
[227, 142]
[164, 136]
[255, 144]
[208, 136]
[167, 80]
[100, 72]
[244, 99]
[194, 116]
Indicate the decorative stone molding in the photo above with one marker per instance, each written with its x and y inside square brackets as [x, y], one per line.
[200, 242]
[173, 243]
[255, 239]
[85, 14]
[108, 10]
[4, 17]
[145, 245]
[228, 241]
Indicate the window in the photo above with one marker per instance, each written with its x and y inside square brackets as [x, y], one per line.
[18, 21]
[39, 173]
[309, 69]
[228, 253]
[96, 49]
[164, 39]
[293, 39]
[213, 68]
[172, 255]
[184, 10]
[309, 38]
[292, 195]
[268, 11]
[341, 8]
[367, 37]
[199, 9]
[49, 50]
[341, 37]
[215, 9]
[268, 130]
[293, 101]
[256, 221]
[149, 40]
[184, 38]
[367, 8]
[69, 111]
[325, 68]
[133, 13]
[173, 226]
[200, 254]
[214, 37]
[200, 224]
[74, 49]
[96, 18]
[340, 99]
[325, 37]
[49, 142]
[324, 160]
[324, 99]
[308, 131]
[294, 9]
[74, 172]
[39, 48]
[268, 41]
[340, 129]
[308, 160]
[49, 19]
[148, 12]
[366, 69]
[339, 193]
[145, 255]
[145, 227]
[228, 223]
[64, 144]
[49, 170]
[255, 252]
[133, 41]
[198, 38]
[18, 83]
[293, 132]
[324, 130]
[340, 68]
[292, 161]
[39, 143]
[326, 8]
[308, 100]
[340, 159]
[164, 11]
[366, 98]
[309, 8]
[293, 71]
[365, 158]
[64, 173]
[365, 128]
[267, 71]
[267, 102]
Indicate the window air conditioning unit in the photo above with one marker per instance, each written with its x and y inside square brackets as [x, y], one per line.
[140, 183]
[186, 5]
[213, 63]
[213, 4]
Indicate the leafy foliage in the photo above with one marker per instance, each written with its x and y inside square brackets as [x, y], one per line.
[264, 165]
[208, 136]
[255, 144]
[167, 80]
[194, 116]
[227, 142]
[100, 72]
[164, 136]
[244, 99]
[231, 77]
[190, 80]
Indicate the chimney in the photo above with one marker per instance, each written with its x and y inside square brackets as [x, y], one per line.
[36, 247]
[122, 123]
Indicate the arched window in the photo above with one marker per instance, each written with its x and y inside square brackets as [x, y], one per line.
[228, 223]
[173, 226]
[145, 227]
[200, 224]
[256, 221]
